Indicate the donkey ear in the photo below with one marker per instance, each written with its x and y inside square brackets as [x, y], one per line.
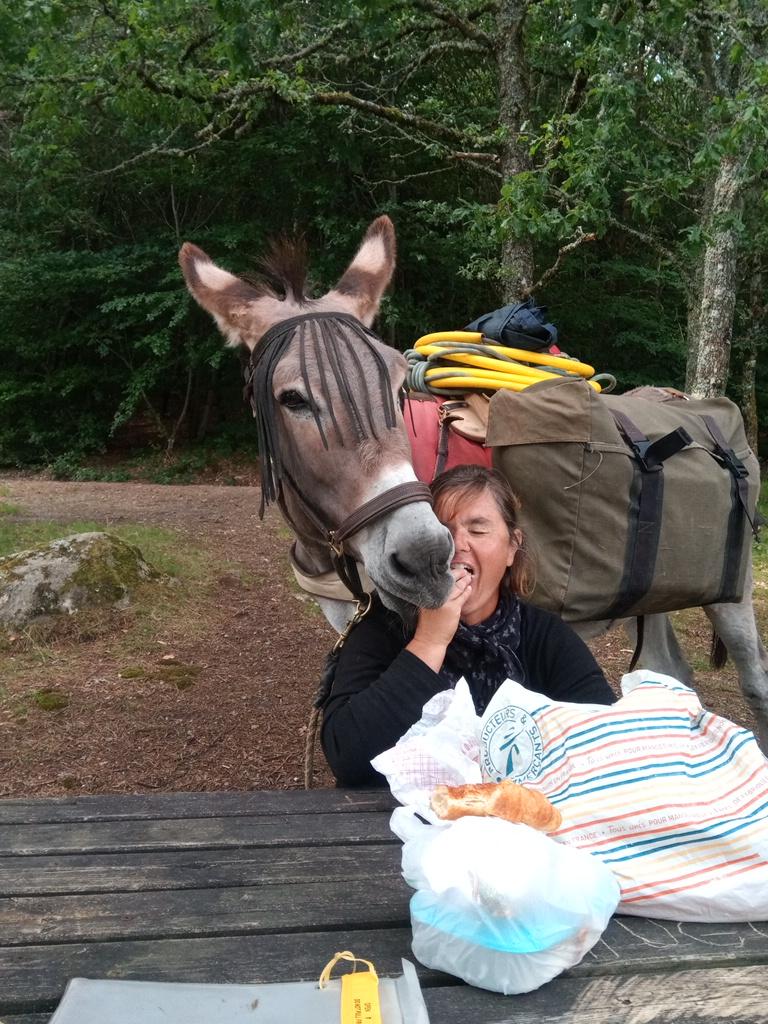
[234, 304]
[364, 281]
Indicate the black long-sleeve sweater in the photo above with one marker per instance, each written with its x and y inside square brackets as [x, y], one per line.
[380, 688]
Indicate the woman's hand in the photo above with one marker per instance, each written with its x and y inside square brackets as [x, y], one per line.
[437, 626]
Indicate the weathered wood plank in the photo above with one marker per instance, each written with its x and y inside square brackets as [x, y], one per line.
[28, 1018]
[33, 978]
[196, 833]
[198, 912]
[714, 996]
[133, 872]
[642, 944]
[137, 807]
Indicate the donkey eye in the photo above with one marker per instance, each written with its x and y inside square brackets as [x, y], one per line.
[293, 400]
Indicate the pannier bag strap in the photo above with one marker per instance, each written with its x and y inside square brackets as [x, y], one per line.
[645, 509]
[734, 465]
[651, 454]
[734, 538]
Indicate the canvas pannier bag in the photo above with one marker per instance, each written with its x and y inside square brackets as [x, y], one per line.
[631, 506]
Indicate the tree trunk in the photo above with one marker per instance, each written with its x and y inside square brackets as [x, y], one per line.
[171, 442]
[516, 254]
[711, 315]
[205, 417]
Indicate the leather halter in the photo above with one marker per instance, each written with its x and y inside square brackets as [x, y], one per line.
[367, 513]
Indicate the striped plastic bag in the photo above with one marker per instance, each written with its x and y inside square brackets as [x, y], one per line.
[673, 798]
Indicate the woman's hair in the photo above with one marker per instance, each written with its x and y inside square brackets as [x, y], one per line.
[461, 482]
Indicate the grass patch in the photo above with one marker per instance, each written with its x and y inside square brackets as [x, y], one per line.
[50, 699]
[132, 672]
[127, 635]
[163, 549]
[6, 508]
[180, 676]
[760, 549]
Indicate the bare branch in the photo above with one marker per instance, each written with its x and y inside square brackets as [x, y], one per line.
[708, 64]
[574, 95]
[449, 17]
[576, 91]
[491, 7]
[307, 51]
[476, 160]
[207, 136]
[165, 90]
[194, 46]
[649, 240]
[397, 116]
[437, 50]
[138, 157]
[408, 177]
[491, 158]
[562, 253]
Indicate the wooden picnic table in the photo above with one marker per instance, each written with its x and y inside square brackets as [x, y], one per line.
[267, 886]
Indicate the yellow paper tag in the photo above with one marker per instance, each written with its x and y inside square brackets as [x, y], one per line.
[360, 998]
[359, 990]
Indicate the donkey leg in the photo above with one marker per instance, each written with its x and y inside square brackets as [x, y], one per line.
[736, 626]
[661, 651]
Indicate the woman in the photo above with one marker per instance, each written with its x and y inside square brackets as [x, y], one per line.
[388, 670]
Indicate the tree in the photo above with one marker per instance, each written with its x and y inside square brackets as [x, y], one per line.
[669, 133]
[600, 160]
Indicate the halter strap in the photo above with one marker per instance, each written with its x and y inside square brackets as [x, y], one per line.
[258, 391]
[387, 501]
[384, 503]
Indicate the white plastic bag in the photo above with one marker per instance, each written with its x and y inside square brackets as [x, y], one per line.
[673, 798]
[442, 748]
[500, 905]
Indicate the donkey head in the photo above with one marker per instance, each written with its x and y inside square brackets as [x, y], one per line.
[329, 396]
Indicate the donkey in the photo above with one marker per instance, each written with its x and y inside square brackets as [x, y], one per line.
[335, 449]
[325, 393]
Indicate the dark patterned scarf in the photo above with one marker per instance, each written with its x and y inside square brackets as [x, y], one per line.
[486, 654]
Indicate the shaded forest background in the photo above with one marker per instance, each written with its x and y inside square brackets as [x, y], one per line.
[609, 159]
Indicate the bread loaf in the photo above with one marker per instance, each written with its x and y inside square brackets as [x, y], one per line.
[498, 799]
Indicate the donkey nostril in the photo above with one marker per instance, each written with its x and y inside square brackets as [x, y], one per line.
[419, 561]
[399, 567]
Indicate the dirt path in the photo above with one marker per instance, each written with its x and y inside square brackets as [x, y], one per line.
[256, 645]
[253, 644]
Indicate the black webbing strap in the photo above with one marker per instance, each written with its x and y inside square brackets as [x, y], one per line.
[737, 469]
[734, 538]
[445, 418]
[645, 508]
[640, 625]
[442, 448]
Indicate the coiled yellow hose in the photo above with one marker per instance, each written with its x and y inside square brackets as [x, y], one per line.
[487, 366]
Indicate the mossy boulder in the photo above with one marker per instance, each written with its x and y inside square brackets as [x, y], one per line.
[79, 571]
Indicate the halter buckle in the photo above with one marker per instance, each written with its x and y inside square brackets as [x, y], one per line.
[336, 546]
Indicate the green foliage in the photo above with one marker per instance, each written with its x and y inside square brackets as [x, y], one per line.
[760, 547]
[133, 126]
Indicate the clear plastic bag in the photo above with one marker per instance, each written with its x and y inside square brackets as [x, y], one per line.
[498, 904]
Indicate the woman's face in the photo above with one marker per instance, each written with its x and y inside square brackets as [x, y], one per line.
[482, 546]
